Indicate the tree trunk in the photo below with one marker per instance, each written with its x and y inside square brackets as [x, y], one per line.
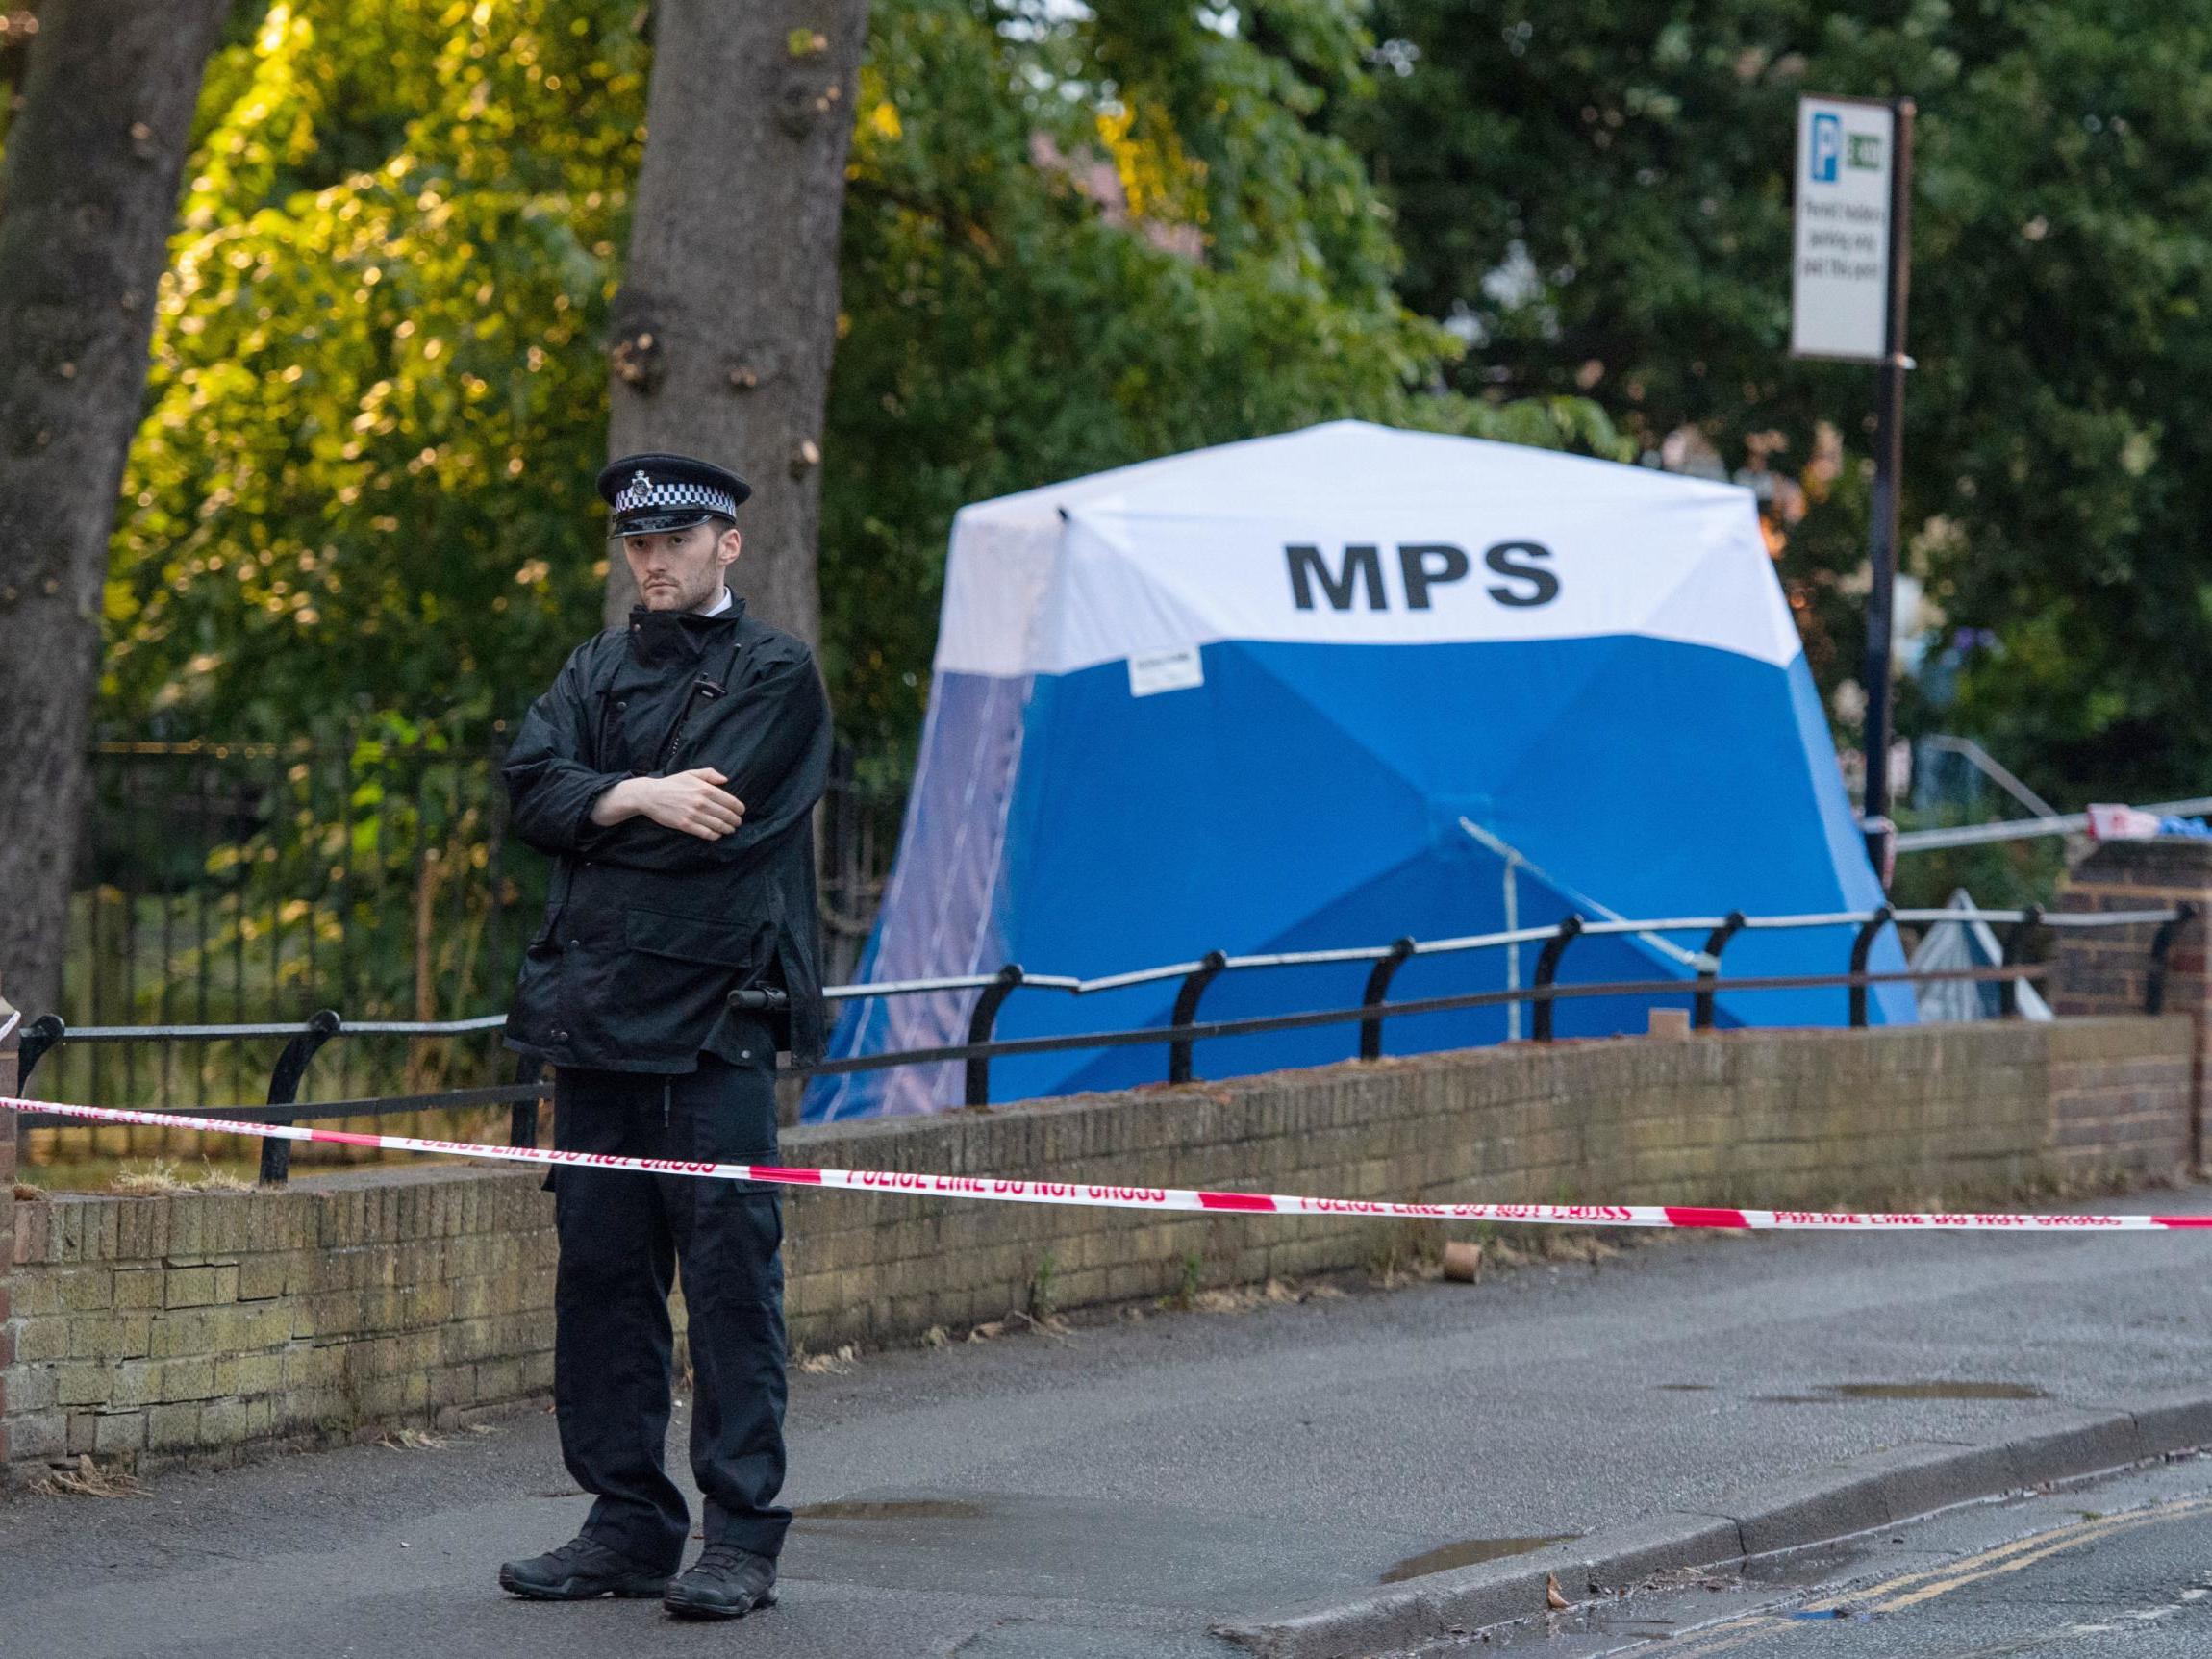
[87, 197]
[727, 320]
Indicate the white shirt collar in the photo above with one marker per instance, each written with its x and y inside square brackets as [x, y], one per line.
[719, 605]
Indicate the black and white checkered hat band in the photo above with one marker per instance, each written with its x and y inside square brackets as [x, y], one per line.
[701, 496]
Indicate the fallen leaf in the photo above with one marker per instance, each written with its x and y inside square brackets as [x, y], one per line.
[835, 1364]
[88, 1480]
[1552, 1599]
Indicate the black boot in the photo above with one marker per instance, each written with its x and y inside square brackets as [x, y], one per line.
[725, 1582]
[578, 1570]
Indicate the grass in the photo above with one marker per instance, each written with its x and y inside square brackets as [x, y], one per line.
[1185, 1295]
[73, 1166]
[162, 1175]
[145, 1175]
[1041, 1301]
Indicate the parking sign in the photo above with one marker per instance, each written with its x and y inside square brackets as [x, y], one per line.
[1840, 278]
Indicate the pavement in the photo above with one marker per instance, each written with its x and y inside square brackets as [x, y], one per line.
[1119, 1491]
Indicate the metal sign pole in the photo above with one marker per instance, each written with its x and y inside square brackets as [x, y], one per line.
[1882, 519]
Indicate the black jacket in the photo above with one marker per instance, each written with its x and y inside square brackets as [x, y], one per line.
[648, 929]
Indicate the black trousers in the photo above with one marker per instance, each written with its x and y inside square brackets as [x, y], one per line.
[621, 1236]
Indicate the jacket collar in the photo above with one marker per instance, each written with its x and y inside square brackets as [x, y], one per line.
[658, 639]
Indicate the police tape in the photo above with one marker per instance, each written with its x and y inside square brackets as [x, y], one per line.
[1112, 1198]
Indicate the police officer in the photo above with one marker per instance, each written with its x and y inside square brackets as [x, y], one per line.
[671, 773]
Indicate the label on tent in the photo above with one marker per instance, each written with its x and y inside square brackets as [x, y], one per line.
[1352, 535]
[1165, 671]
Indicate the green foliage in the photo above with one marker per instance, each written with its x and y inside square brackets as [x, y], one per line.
[378, 395]
[1600, 193]
[2002, 875]
[223, 884]
[1079, 245]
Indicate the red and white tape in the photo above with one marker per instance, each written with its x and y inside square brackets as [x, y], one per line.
[1106, 1197]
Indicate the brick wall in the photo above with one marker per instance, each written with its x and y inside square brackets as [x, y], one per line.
[2107, 970]
[2123, 1101]
[185, 1324]
[1776, 1119]
[198, 1325]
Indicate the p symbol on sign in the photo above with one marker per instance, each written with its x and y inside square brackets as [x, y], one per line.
[1827, 148]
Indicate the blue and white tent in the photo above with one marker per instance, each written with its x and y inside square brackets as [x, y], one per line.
[1338, 687]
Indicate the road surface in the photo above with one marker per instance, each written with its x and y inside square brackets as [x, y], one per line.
[1111, 1493]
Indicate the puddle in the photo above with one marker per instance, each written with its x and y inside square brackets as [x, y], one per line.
[1466, 1552]
[1687, 1386]
[1838, 1391]
[888, 1509]
[1836, 1394]
[1938, 1390]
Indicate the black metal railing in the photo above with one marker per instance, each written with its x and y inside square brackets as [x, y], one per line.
[1541, 994]
[1184, 1031]
[370, 870]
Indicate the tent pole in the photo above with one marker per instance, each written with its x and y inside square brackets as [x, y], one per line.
[1512, 951]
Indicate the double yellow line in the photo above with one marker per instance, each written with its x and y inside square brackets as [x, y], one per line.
[1912, 1589]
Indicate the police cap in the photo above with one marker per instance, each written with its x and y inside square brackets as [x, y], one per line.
[652, 494]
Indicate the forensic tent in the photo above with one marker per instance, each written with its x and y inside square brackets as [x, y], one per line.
[1335, 688]
[1950, 945]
